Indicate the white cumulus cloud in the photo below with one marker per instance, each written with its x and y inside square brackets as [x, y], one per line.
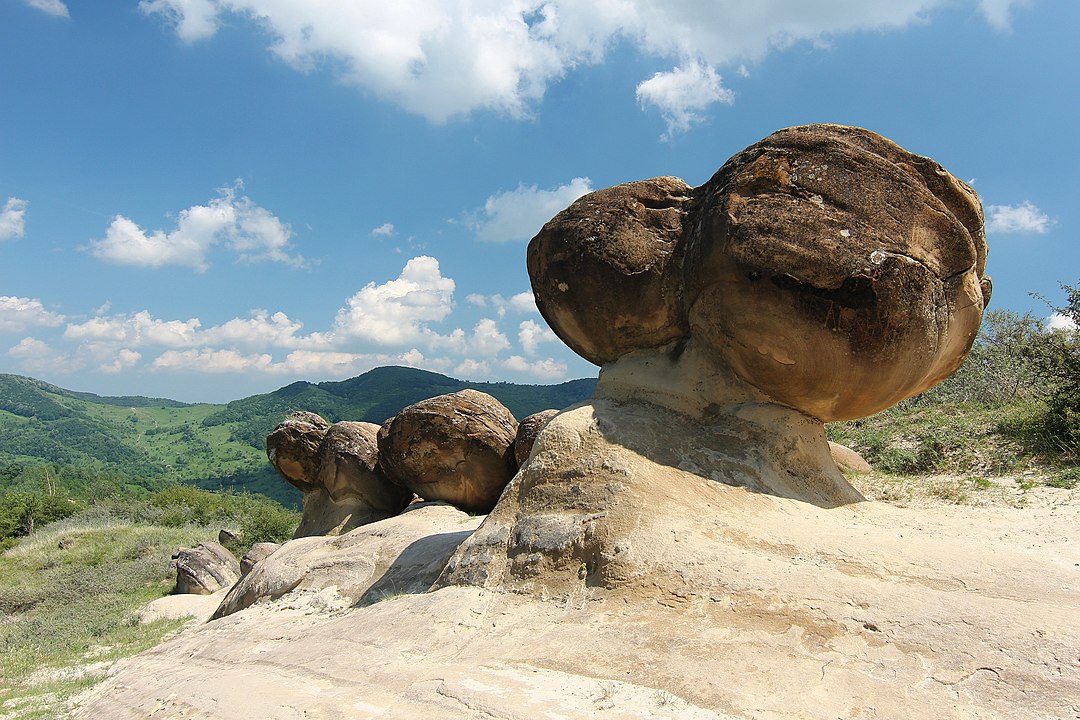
[56, 8]
[213, 361]
[683, 94]
[250, 231]
[447, 58]
[13, 219]
[521, 303]
[1022, 218]
[384, 230]
[36, 356]
[1057, 321]
[125, 360]
[398, 311]
[487, 340]
[19, 313]
[135, 330]
[470, 369]
[547, 369]
[517, 215]
[261, 329]
[532, 334]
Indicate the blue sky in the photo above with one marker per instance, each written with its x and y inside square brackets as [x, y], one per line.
[206, 199]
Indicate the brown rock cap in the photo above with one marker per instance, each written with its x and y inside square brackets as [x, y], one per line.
[826, 266]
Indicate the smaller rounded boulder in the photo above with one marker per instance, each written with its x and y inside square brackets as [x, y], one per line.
[527, 431]
[205, 569]
[458, 448]
[293, 448]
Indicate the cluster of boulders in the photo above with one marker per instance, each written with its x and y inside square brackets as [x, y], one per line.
[461, 448]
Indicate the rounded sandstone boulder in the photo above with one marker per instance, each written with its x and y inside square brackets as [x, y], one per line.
[826, 268]
[457, 448]
[205, 569]
[835, 271]
[349, 468]
[604, 271]
[293, 448]
[527, 431]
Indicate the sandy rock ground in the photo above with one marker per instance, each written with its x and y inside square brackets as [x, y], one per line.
[775, 610]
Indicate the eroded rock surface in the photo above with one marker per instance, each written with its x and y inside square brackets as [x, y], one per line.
[457, 448]
[831, 270]
[403, 555]
[293, 448]
[337, 468]
[256, 554]
[205, 569]
[847, 459]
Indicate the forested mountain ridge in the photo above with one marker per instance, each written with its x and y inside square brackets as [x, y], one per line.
[132, 443]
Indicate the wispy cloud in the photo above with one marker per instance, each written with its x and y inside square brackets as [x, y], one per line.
[252, 232]
[13, 219]
[517, 215]
[1022, 218]
[56, 8]
[384, 230]
[19, 313]
[998, 13]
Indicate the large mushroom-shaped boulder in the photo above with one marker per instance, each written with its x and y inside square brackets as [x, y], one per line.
[528, 429]
[457, 448]
[337, 468]
[822, 274]
[204, 569]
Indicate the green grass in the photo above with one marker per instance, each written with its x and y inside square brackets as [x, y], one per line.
[69, 596]
[960, 438]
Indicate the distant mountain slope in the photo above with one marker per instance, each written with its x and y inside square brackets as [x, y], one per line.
[379, 394]
[153, 441]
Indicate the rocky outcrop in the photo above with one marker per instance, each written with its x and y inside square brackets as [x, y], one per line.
[827, 268]
[457, 448]
[767, 608]
[389, 558]
[528, 429]
[683, 544]
[293, 448]
[256, 554]
[204, 569]
[336, 467]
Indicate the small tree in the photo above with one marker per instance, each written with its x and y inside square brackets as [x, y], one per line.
[1059, 359]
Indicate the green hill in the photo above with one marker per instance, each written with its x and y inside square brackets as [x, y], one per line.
[138, 444]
